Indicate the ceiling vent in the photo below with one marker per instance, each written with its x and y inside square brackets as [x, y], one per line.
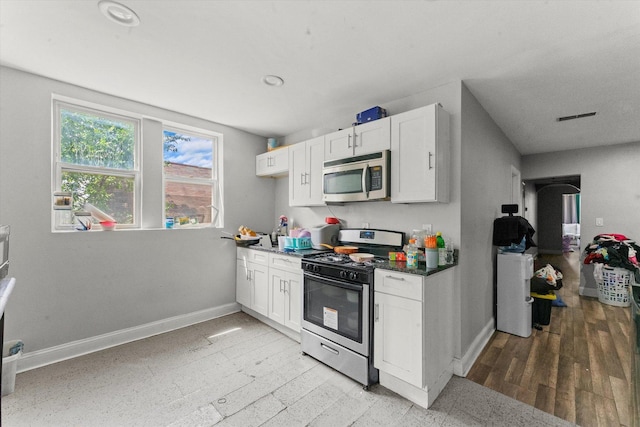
[577, 116]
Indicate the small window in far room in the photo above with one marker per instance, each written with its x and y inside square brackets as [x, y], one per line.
[191, 190]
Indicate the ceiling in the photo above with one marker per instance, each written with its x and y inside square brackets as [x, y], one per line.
[527, 62]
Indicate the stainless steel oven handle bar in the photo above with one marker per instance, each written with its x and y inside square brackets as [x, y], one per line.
[329, 349]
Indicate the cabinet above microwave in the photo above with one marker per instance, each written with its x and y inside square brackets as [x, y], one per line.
[366, 138]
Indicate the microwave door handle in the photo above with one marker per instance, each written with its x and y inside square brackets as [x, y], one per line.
[366, 180]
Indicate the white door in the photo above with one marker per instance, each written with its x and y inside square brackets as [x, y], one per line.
[398, 337]
[413, 151]
[277, 286]
[260, 288]
[298, 190]
[315, 159]
[243, 284]
[373, 136]
[293, 301]
[338, 145]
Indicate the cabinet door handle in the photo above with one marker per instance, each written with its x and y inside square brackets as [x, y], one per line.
[376, 312]
[430, 156]
[280, 285]
[401, 279]
[286, 286]
[301, 179]
[355, 140]
[349, 142]
[306, 178]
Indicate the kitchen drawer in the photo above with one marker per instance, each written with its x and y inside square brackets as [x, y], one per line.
[285, 262]
[250, 255]
[399, 284]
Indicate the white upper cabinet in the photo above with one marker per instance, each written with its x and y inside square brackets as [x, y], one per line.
[273, 163]
[420, 156]
[305, 172]
[354, 141]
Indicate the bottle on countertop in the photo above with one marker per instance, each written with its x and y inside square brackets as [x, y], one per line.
[442, 250]
[449, 248]
[412, 254]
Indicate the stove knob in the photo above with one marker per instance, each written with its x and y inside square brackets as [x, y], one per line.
[353, 275]
[316, 268]
[308, 267]
[343, 274]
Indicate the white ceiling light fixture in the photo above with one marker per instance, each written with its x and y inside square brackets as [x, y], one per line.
[271, 80]
[119, 13]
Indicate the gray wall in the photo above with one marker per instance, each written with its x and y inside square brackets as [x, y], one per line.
[71, 286]
[487, 160]
[609, 187]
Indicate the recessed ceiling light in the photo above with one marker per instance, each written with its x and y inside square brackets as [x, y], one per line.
[119, 13]
[271, 80]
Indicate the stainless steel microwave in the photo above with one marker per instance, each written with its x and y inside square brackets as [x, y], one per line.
[356, 179]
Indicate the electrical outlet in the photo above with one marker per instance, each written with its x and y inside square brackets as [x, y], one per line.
[599, 222]
[427, 228]
[365, 225]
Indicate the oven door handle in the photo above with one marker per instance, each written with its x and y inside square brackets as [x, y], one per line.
[332, 282]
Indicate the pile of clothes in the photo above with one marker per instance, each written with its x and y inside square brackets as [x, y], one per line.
[615, 250]
[547, 280]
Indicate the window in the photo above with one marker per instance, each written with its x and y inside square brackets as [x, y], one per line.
[96, 159]
[190, 177]
[102, 156]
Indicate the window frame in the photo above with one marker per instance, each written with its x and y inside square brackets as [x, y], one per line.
[213, 181]
[149, 198]
[61, 103]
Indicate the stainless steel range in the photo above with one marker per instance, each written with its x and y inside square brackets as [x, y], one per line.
[338, 295]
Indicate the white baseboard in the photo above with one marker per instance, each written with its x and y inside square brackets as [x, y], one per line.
[462, 366]
[47, 356]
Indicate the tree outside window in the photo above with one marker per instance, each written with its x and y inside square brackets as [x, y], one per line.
[97, 160]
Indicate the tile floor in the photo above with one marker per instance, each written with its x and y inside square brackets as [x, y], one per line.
[235, 371]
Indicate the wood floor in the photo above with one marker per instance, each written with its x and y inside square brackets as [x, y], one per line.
[577, 368]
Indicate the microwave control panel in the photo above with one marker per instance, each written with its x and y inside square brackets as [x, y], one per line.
[376, 177]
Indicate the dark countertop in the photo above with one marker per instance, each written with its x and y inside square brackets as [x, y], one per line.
[422, 270]
[399, 266]
[300, 253]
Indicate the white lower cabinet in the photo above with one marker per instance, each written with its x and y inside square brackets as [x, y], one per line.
[285, 287]
[413, 333]
[398, 337]
[252, 283]
[270, 284]
[284, 298]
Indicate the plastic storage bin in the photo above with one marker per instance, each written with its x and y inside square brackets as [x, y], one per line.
[613, 285]
[9, 367]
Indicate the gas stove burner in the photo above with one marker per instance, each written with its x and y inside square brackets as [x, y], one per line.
[333, 259]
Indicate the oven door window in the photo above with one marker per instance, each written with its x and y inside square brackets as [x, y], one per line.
[334, 306]
[343, 182]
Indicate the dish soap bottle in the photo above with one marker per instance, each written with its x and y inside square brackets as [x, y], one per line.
[412, 254]
[442, 250]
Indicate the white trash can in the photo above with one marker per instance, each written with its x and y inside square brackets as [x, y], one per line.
[9, 367]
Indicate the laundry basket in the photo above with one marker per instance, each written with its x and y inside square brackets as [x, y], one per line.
[613, 285]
